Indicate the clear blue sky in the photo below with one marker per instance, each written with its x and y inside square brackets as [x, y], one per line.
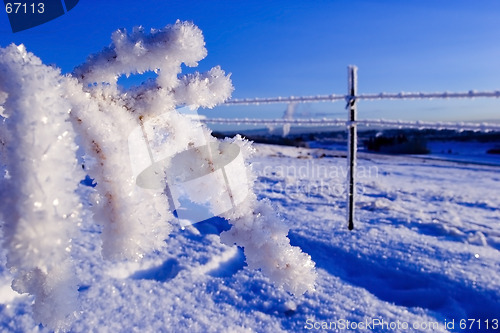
[297, 48]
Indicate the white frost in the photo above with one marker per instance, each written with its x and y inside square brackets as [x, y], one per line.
[44, 112]
[39, 207]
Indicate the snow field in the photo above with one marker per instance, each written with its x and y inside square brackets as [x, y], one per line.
[426, 236]
[413, 257]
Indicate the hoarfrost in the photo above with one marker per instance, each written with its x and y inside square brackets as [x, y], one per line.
[43, 112]
[39, 207]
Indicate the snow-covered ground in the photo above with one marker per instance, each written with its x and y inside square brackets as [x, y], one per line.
[425, 253]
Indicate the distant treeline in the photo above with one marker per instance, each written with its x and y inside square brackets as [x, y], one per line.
[393, 141]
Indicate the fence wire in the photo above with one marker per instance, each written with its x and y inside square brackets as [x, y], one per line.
[326, 122]
[351, 122]
[371, 97]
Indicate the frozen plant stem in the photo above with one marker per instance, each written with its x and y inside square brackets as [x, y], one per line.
[42, 114]
[39, 208]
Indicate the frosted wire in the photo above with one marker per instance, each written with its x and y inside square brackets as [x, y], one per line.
[459, 126]
[376, 96]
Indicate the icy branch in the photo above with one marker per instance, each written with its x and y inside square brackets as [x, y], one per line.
[162, 51]
[204, 90]
[135, 220]
[263, 236]
[125, 134]
[39, 207]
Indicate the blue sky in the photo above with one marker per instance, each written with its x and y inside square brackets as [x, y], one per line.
[283, 48]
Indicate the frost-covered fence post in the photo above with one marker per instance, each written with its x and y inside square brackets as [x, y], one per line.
[352, 142]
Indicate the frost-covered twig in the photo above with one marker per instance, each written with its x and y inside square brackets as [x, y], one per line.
[161, 51]
[133, 216]
[39, 206]
[135, 220]
[263, 235]
[40, 209]
[286, 265]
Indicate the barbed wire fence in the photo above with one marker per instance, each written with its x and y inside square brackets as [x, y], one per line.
[352, 122]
